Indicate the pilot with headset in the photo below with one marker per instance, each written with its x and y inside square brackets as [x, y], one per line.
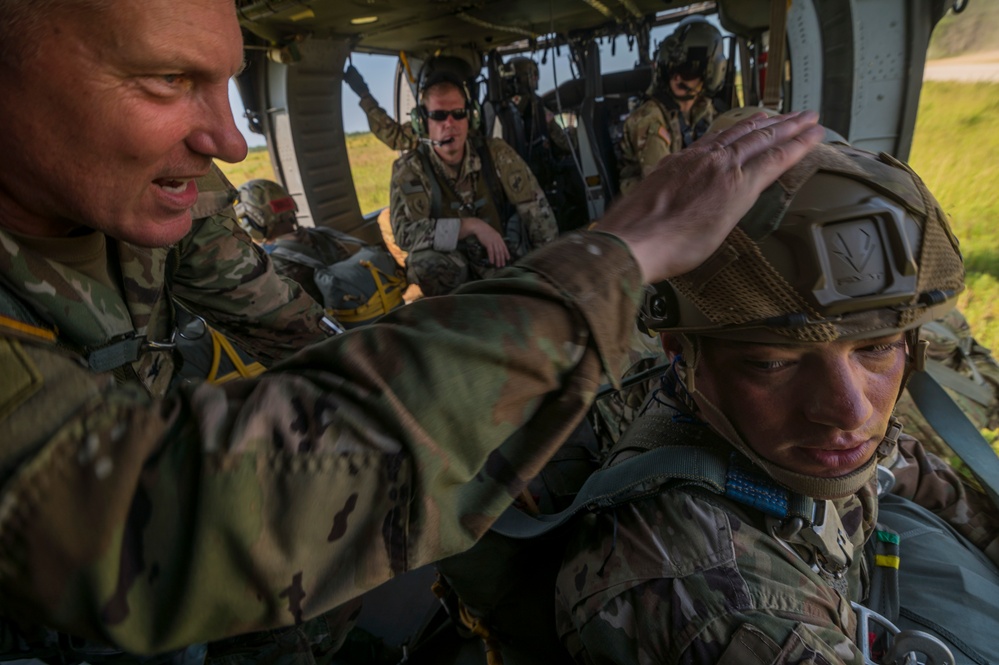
[678, 108]
[462, 207]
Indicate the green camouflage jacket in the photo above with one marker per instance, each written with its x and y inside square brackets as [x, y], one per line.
[152, 523]
[215, 271]
[410, 193]
[653, 131]
[386, 129]
[687, 575]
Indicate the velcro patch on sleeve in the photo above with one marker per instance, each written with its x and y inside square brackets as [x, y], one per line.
[22, 379]
[664, 135]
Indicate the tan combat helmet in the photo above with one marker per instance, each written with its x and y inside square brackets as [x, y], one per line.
[265, 209]
[845, 245]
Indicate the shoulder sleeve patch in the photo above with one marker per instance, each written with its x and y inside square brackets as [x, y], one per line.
[22, 379]
[664, 135]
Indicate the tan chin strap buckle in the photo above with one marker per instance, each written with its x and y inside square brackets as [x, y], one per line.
[903, 647]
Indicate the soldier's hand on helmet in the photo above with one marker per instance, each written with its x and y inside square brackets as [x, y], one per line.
[488, 237]
[681, 213]
[353, 78]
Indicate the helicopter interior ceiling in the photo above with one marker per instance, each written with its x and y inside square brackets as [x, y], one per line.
[422, 26]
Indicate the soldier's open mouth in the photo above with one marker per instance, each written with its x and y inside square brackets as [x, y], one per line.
[173, 186]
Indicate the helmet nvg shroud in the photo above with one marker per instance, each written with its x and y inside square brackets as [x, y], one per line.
[263, 207]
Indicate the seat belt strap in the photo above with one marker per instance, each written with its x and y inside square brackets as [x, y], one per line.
[956, 430]
[665, 466]
[959, 383]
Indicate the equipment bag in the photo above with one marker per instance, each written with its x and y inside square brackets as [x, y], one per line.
[363, 287]
[358, 289]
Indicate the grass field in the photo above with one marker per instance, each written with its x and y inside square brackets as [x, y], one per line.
[370, 164]
[954, 150]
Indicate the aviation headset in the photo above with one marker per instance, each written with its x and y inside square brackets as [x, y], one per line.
[418, 116]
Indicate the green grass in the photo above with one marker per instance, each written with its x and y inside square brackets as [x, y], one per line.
[370, 163]
[954, 150]
[256, 165]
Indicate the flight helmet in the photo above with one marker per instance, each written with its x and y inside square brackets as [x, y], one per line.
[265, 209]
[524, 75]
[694, 50]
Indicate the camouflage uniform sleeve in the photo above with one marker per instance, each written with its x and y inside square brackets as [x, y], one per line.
[224, 277]
[524, 192]
[646, 141]
[386, 129]
[684, 578]
[925, 479]
[409, 209]
[263, 502]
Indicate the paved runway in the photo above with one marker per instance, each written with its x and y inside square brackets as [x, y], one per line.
[976, 67]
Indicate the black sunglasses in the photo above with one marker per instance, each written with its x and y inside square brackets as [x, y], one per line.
[441, 115]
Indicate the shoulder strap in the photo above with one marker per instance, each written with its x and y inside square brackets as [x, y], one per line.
[337, 235]
[956, 430]
[492, 183]
[435, 187]
[297, 257]
[959, 383]
[20, 320]
[707, 465]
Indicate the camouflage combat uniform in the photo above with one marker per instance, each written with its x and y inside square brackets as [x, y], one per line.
[214, 272]
[965, 369]
[688, 575]
[396, 135]
[656, 129]
[153, 523]
[437, 260]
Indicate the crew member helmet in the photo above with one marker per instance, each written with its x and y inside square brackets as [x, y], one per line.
[696, 49]
[264, 207]
[524, 75]
[847, 244]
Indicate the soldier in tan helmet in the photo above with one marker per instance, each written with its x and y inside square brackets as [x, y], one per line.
[790, 502]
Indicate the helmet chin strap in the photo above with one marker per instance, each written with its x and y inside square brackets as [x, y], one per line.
[818, 488]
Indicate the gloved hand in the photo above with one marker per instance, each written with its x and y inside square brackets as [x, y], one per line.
[353, 78]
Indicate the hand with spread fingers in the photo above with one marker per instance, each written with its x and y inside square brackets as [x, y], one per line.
[669, 222]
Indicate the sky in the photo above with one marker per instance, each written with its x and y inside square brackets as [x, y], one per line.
[378, 72]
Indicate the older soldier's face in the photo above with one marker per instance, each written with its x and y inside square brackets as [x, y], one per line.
[113, 118]
[818, 409]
